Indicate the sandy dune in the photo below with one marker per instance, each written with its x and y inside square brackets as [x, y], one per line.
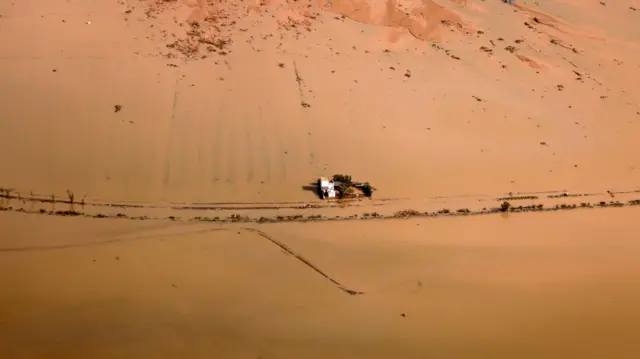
[217, 115]
[161, 115]
[531, 285]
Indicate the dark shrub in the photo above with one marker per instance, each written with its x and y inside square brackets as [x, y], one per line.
[366, 189]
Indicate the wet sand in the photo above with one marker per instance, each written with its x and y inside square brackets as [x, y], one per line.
[551, 285]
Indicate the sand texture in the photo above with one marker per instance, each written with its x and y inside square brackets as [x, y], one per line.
[157, 162]
[552, 285]
[250, 101]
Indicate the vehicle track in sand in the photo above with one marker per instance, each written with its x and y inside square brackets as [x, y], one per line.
[286, 249]
[236, 222]
[14, 194]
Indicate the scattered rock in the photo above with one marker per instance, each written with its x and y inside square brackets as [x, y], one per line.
[403, 314]
[305, 104]
[281, 65]
[407, 74]
[117, 108]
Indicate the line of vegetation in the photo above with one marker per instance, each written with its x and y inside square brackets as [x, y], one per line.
[516, 198]
[347, 188]
[409, 213]
[565, 194]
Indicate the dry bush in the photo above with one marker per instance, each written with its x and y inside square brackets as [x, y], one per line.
[406, 213]
[71, 196]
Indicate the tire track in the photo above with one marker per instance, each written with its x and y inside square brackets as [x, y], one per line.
[262, 234]
[266, 157]
[231, 154]
[310, 148]
[299, 257]
[216, 146]
[6, 196]
[167, 157]
[250, 156]
[102, 242]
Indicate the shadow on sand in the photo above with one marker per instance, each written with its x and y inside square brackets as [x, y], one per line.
[312, 187]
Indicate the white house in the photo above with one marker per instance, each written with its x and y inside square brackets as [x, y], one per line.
[327, 188]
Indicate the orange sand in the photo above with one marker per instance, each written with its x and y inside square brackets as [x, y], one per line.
[225, 122]
[439, 104]
[552, 285]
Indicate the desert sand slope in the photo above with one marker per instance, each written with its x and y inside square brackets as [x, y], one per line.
[243, 101]
[552, 285]
[438, 103]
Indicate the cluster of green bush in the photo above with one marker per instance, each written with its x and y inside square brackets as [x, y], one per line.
[346, 186]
